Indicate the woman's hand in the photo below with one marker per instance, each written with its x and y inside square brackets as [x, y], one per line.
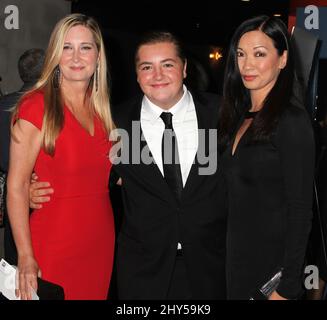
[27, 273]
[276, 296]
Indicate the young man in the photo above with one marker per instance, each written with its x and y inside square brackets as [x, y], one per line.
[172, 240]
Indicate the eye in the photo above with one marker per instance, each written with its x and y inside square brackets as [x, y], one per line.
[86, 48]
[145, 68]
[240, 54]
[168, 65]
[67, 47]
[260, 54]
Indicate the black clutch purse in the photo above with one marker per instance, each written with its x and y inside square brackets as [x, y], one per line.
[268, 288]
[46, 291]
[49, 291]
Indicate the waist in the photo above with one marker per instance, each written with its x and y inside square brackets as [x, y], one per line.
[78, 186]
[79, 194]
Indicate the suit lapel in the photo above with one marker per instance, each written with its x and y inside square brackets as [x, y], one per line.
[204, 119]
[150, 172]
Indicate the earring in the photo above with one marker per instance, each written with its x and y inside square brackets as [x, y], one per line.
[96, 77]
[56, 78]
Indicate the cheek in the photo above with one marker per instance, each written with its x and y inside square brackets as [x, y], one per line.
[273, 72]
[181, 75]
[141, 81]
[176, 75]
[268, 68]
[91, 59]
[143, 78]
[64, 60]
[240, 64]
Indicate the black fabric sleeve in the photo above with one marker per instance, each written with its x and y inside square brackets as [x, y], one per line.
[114, 177]
[295, 143]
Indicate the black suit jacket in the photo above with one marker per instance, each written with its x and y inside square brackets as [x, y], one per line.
[7, 102]
[154, 222]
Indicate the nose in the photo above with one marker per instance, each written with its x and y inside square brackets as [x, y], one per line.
[76, 55]
[157, 73]
[248, 63]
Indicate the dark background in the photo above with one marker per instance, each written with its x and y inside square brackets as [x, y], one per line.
[200, 21]
[203, 26]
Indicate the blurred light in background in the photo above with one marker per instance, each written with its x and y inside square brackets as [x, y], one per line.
[215, 55]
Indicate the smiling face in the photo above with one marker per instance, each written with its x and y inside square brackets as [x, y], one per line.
[160, 73]
[79, 55]
[259, 63]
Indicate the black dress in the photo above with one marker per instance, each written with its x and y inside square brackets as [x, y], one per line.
[270, 207]
[316, 252]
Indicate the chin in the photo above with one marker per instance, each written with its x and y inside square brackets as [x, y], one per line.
[159, 97]
[250, 86]
[79, 78]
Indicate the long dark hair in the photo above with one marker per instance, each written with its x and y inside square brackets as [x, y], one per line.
[237, 97]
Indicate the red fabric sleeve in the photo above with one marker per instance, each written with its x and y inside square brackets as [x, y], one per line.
[31, 109]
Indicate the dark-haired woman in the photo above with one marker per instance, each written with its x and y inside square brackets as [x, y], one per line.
[268, 159]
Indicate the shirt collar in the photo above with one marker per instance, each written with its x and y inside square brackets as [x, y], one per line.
[178, 110]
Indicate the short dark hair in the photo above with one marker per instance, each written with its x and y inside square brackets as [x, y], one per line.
[159, 36]
[30, 65]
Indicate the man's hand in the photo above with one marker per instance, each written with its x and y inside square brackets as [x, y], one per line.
[39, 192]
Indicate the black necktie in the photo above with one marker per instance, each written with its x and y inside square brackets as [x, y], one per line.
[170, 158]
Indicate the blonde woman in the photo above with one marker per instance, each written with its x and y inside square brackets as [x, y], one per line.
[60, 131]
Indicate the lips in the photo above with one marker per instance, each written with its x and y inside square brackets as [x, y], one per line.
[76, 68]
[248, 78]
[159, 85]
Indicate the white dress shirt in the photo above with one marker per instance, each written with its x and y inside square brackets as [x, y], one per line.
[185, 125]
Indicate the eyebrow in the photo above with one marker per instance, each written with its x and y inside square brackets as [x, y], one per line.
[260, 46]
[162, 61]
[167, 60]
[82, 43]
[256, 47]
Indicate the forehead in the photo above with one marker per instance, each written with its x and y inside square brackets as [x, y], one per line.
[79, 33]
[255, 38]
[157, 51]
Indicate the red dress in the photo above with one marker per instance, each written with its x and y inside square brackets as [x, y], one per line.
[73, 234]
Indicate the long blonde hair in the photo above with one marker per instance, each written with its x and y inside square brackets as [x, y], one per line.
[53, 119]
